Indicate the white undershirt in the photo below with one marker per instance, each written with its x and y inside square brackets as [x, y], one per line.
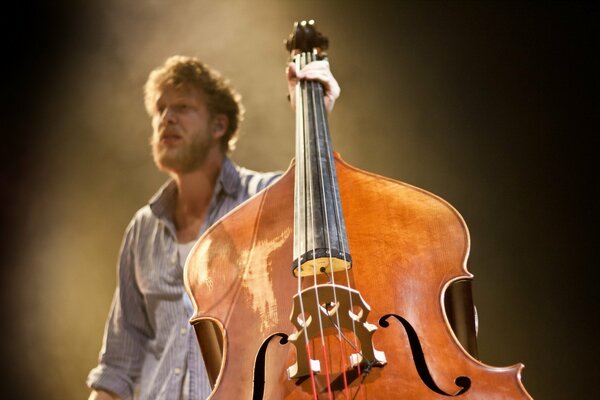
[184, 250]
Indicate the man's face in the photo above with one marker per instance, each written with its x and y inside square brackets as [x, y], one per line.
[182, 134]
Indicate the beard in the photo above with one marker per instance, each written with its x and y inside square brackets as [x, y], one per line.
[183, 158]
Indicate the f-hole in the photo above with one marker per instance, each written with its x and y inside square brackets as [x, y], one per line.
[258, 390]
[463, 382]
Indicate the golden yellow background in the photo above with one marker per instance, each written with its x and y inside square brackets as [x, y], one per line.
[485, 104]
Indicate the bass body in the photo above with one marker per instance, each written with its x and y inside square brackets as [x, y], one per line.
[407, 247]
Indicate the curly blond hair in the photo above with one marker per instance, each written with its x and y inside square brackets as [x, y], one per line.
[221, 97]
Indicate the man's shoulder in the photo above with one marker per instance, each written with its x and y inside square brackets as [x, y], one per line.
[142, 218]
[143, 213]
[246, 172]
[254, 181]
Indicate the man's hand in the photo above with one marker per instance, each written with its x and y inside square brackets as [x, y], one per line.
[316, 70]
[102, 395]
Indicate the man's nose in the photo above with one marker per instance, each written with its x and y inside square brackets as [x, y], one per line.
[168, 116]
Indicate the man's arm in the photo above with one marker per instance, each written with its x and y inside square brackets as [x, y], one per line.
[126, 332]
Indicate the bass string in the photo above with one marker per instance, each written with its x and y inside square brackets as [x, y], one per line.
[323, 137]
[300, 209]
[319, 131]
[310, 98]
[310, 123]
[308, 94]
[339, 225]
[305, 188]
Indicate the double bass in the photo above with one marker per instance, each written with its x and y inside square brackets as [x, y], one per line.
[330, 283]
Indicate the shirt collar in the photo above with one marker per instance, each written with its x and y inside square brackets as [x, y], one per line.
[229, 178]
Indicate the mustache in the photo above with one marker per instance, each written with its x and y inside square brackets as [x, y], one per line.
[165, 133]
[169, 132]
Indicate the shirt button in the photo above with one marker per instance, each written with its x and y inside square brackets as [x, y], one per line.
[177, 371]
[183, 331]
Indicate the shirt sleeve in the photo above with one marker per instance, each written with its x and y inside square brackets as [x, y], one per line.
[126, 332]
[261, 181]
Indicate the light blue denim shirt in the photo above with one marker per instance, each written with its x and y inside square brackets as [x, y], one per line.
[149, 345]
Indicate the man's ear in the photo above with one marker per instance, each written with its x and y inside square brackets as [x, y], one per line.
[219, 125]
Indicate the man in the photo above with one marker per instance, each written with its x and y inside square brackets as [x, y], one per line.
[148, 342]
